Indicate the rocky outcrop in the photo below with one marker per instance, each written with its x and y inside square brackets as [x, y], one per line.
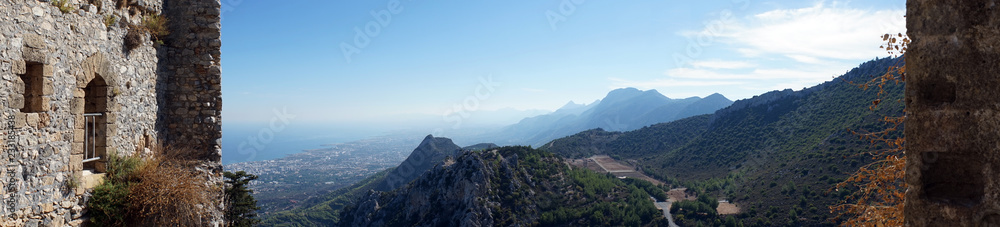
[431, 151]
[461, 194]
[506, 186]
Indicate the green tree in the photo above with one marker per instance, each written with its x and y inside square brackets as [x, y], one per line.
[241, 207]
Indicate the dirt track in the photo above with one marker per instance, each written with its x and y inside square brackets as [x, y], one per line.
[606, 164]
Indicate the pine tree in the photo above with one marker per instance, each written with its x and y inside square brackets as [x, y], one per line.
[241, 207]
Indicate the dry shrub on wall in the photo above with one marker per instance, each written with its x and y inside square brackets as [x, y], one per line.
[133, 37]
[171, 192]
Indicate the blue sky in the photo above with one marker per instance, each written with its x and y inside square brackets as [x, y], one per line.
[430, 57]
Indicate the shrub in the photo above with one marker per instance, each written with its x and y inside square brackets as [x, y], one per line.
[133, 37]
[63, 5]
[110, 199]
[156, 25]
[170, 191]
[162, 190]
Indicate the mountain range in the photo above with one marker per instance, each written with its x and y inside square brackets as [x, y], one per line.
[622, 109]
[776, 156]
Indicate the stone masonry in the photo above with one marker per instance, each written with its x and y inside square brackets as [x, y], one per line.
[953, 113]
[73, 92]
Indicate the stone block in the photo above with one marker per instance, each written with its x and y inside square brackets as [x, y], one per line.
[46, 87]
[18, 67]
[112, 130]
[34, 41]
[18, 85]
[44, 120]
[34, 55]
[46, 103]
[78, 93]
[77, 105]
[76, 162]
[78, 135]
[78, 121]
[92, 180]
[32, 119]
[16, 101]
[19, 120]
[81, 81]
[77, 147]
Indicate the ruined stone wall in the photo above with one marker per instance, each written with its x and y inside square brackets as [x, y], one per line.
[191, 110]
[190, 66]
[953, 113]
[58, 65]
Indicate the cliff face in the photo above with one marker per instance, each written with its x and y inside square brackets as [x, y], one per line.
[503, 187]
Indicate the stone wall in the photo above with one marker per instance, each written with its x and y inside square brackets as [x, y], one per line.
[58, 65]
[953, 113]
[191, 110]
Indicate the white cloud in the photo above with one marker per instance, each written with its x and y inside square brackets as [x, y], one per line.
[720, 64]
[661, 83]
[755, 74]
[533, 90]
[814, 34]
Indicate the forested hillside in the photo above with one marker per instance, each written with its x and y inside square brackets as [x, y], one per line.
[777, 155]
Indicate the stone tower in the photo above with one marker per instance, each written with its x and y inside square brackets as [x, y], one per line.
[76, 86]
[953, 113]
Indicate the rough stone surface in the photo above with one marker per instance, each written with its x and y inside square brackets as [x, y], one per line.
[953, 113]
[74, 64]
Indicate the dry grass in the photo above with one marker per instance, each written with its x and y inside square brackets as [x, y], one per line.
[171, 192]
[133, 37]
[156, 25]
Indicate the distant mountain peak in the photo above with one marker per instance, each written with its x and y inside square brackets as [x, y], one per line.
[571, 105]
[431, 151]
[629, 91]
[717, 96]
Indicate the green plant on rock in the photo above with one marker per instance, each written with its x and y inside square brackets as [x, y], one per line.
[71, 183]
[109, 20]
[63, 5]
[109, 202]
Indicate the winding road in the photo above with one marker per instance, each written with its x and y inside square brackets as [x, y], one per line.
[665, 206]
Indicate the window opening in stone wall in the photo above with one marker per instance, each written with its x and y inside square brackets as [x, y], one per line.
[90, 137]
[34, 81]
[95, 125]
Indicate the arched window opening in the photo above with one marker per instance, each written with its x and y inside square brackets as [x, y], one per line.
[95, 125]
